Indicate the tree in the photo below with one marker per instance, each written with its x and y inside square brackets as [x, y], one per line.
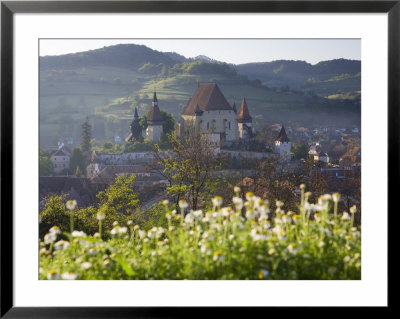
[77, 160]
[189, 166]
[78, 172]
[275, 180]
[120, 196]
[266, 136]
[45, 164]
[300, 151]
[85, 219]
[86, 136]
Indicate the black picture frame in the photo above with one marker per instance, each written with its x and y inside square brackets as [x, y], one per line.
[9, 8]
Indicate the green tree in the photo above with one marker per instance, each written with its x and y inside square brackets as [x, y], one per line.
[54, 213]
[78, 172]
[120, 196]
[86, 136]
[189, 166]
[45, 164]
[300, 151]
[77, 160]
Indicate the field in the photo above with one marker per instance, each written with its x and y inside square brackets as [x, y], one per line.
[243, 241]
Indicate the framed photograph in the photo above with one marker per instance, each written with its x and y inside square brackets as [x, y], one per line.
[162, 155]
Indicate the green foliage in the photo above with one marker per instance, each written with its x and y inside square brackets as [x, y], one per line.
[86, 136]
[85, 219]
[205, 67]
[312, 243]
[189, 166]
[155, 216]
[108, 146]
[145, 146]
[77, 160]
[78, 172]
[153, 69]
[45, 164]
[53, 214]
[300, 151]
[120, 196]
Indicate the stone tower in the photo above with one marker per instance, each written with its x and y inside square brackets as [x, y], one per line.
[283, 145]
[154, 121]
[244, 121]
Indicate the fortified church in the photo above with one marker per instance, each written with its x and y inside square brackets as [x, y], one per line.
[209, 112]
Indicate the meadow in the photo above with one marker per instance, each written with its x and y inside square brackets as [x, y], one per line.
[245, 240]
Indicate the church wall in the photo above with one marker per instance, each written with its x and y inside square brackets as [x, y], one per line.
[216, 119]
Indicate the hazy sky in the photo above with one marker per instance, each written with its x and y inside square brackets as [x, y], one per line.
[227, 50]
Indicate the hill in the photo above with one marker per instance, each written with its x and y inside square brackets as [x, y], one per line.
[108, 83]
[324, 78]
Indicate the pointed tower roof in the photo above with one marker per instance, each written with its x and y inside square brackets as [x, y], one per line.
[234, 107]
[282, 137]
[136, 116]
[208, 97]
[155, 117]
[154, 97]
[244, 114]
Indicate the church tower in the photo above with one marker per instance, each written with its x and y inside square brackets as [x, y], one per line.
[283, 145]
[154, 121]
[136, 130]
[244, 120]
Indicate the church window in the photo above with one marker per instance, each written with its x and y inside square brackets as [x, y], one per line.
[208, 125]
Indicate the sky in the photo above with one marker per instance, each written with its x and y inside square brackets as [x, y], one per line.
[234, 51]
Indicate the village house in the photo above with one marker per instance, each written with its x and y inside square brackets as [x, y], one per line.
[351, 158]
[60, 159]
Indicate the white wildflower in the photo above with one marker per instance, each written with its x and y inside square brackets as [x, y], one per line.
[238, 202]
[55, 230]
[262, 274]
[353, 209]
[50, 238]
[100, 215]
[69, 276]
[61, 245]
[71, 204]
[336, 197]
[217, 201]
[346, 216]
[292, 248]
[86, 265]
[53, 275]
[76, 233]
[183, 204]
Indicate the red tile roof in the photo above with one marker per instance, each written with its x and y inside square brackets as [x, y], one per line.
[155, 116]
[209, 98]
[244, 114]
